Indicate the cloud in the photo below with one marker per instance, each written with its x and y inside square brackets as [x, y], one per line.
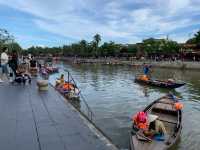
[128, 20]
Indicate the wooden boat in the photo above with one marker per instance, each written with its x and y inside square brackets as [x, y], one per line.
[43, 72]
[160, 83]
[172, 119]
[51, 70]
[70, 94]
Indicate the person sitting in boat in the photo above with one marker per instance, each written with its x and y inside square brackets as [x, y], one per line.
[156, 127]
[60, 81]
[140, 120]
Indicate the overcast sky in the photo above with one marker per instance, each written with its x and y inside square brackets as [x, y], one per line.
[58, 22]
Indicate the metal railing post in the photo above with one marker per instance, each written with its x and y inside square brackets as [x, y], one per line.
[88, 109]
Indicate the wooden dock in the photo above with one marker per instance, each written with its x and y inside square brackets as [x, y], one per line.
[33, 120]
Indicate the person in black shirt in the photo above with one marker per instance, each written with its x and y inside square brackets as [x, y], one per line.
[13, 62]
[33, 66]
[33, 63]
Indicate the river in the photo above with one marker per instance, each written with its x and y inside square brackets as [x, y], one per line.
[113, 96]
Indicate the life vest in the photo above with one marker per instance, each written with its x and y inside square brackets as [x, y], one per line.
[144, 78]
[178, 106]
[140, 120]
[143, 126]
[68, 86]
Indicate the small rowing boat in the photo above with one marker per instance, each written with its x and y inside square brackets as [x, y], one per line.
[68, 90]
[51, 70]
[169, 116]
[159, 83]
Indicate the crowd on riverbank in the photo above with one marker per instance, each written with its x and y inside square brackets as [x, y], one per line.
[14, 68]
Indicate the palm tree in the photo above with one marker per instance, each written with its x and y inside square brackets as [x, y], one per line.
[96, 41]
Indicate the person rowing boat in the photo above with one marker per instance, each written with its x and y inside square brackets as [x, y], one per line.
[158, 126]
[149, 124]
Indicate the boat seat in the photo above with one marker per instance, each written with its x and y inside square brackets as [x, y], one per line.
[168, 121]
[165, 117]
[165, 107]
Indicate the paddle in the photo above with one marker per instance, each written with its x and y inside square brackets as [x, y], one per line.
[141, 136]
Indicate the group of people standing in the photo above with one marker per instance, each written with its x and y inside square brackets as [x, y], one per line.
[6, 63]
[12, 65]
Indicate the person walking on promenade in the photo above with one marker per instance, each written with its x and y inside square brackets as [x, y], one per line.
[13, 64]
[4, 63]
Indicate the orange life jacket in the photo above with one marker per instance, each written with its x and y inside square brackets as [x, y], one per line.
[178, 106]
[144, 78]
[143, 126]
[136, 120]
[68, 86]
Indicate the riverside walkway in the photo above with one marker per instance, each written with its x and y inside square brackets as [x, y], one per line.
[33, 120]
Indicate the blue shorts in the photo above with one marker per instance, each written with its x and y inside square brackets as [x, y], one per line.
[4, 69]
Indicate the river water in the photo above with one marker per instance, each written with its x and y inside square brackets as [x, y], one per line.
[113, 96]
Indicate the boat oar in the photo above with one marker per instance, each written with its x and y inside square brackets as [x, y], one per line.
[143, 136]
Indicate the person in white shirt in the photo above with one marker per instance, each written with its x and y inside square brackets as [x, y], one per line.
[4, 62]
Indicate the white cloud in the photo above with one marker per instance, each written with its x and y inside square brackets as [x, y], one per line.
[178, 5]
[113, 20]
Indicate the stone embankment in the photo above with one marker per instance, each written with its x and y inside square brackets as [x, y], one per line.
[116, 61]
[162, 64]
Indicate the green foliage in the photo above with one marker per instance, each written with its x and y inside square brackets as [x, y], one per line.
[80, 49]
[97, 39]
[7, 40]
[160, 46]
[94, 49]
[14, 47]
[95, 44]
[110, 49]
[132, 48]
[195, 39]
[44, 51]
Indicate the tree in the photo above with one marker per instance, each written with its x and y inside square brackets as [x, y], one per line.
[197, 37]
[5, 37]
[14, 47]
[96, 41]
[110, 49]
[160, 46]
[83, 47]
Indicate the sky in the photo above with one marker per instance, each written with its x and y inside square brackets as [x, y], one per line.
[57, 22]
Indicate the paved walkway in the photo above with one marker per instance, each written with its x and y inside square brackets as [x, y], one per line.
[31, 120]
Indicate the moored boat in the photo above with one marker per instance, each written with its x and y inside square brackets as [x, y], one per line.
[159, 83]
[68, 90]
[51, 70]
[170, 116]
